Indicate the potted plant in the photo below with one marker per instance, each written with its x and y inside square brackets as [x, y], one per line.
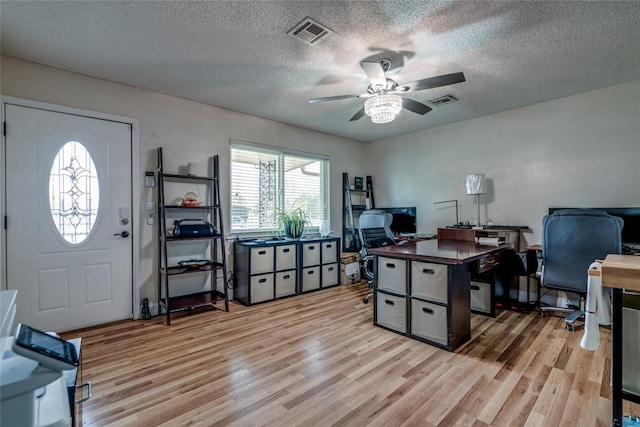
[292, 222]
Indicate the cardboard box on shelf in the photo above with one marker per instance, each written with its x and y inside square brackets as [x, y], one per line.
[349, 268]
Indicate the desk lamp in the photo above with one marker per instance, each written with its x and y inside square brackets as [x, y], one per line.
[476, 185]
[447, 201]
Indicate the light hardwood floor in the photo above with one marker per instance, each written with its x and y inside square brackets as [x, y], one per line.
[317, 360]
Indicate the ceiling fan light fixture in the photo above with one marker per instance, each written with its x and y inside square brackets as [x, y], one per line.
[383, 108]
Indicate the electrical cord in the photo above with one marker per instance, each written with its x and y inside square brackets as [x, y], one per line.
[231, 279]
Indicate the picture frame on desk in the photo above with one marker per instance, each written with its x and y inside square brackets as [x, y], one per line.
[358, 183]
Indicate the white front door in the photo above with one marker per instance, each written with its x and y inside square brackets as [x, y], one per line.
[69, 222]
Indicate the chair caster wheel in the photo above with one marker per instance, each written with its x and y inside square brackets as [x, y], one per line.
[544, 314]
[569, 327]
[365, 300]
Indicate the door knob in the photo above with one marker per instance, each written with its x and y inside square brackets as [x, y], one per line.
[125, 233]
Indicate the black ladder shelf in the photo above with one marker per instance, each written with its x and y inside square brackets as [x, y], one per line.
[214, 247]
[354, 202]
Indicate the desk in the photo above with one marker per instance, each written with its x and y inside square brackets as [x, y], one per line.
[619, 272]
[422, 289]
[508, 284]
[510, 235]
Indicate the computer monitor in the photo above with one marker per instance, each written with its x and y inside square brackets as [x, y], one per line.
[631, 218]
[404, 219]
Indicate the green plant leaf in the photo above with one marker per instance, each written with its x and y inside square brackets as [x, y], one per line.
[292, 221]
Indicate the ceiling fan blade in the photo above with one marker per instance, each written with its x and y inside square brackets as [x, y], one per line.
[331, 98]
[415, 106]
[374, 72]
[358, 115]
[437, 81]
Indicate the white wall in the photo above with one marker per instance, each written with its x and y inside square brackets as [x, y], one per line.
[578, 151]
[187, 131]
[582, 150]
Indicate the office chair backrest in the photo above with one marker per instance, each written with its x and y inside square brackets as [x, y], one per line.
[376, 218]
[375, 229]
[571, 240]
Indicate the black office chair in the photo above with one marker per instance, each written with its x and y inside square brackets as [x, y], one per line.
[572, 239]
[375, 231]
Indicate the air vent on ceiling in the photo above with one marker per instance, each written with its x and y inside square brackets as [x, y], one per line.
[447, 99]
[309, 31]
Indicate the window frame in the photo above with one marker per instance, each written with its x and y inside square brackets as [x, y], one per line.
[281, 155]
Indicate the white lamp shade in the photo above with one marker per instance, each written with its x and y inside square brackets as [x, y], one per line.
[476, 183]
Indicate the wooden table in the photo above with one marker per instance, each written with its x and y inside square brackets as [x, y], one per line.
[619, 272]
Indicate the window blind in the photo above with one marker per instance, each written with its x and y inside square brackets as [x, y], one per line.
[266, 179]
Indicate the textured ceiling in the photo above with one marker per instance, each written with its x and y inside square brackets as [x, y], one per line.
[237, 55]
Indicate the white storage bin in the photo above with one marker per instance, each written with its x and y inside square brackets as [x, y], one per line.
[429, 321]
[329, 252]
[429, 281]
[481, 296]
[391, 311]
[261, 260]
[261, 288]
[285, 283]
[330, 274]
[285, 257]
[310, 278]
[311, 254]
[392, 275]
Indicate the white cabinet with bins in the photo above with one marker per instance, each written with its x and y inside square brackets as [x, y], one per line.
[310, 266]
[320, 268]
[264, 270]
[268, 269]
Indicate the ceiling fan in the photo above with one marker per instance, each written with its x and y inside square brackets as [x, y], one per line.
[383, 101]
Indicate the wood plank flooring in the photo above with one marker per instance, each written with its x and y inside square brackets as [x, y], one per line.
[317, 360]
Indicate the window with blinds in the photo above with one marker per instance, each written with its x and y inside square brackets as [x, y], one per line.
[265, 180]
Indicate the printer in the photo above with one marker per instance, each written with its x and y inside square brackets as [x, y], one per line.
[32, 387]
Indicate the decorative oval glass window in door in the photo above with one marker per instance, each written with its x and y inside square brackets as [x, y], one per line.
[74, 192]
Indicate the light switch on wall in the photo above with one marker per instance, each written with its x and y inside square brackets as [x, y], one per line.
[149, 179]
